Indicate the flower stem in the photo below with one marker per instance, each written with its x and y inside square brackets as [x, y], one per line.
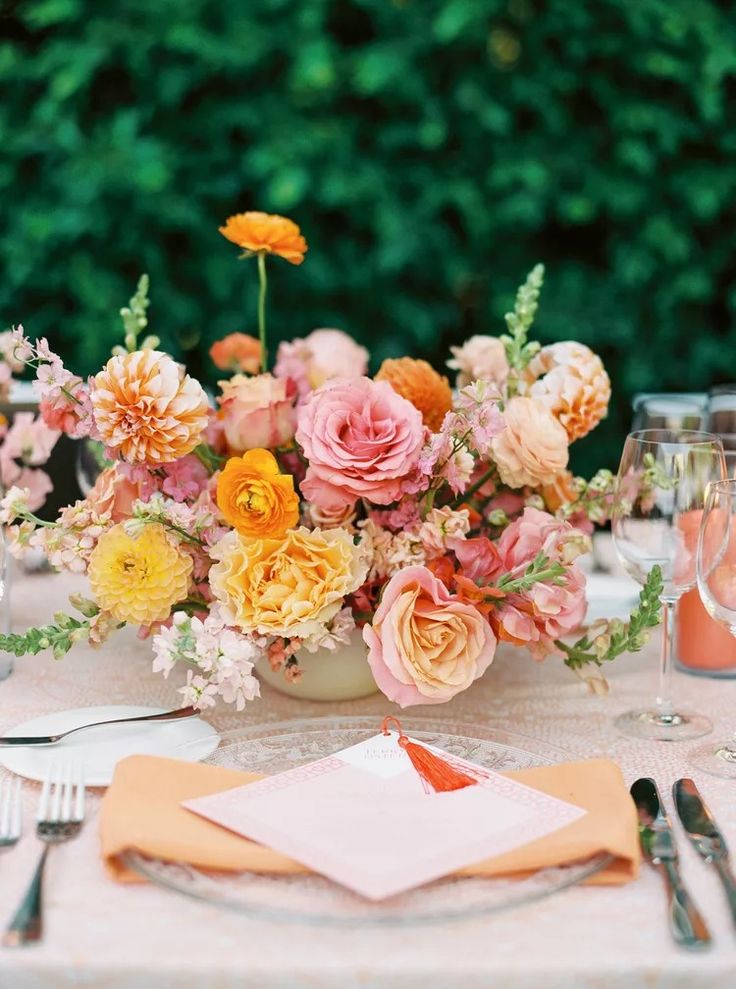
[262, 285]
[474, 487]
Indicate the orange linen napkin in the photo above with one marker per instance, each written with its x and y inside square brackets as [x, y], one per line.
[142, 810]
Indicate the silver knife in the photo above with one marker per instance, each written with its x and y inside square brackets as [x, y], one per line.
[704, 834]
[655, 834]
[182, 712]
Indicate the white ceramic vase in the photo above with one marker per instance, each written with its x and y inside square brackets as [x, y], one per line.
[342, 675]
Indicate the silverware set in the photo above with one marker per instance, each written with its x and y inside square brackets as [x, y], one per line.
[60, 817]
[656, 836]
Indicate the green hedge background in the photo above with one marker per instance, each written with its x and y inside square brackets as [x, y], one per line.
[431, 150]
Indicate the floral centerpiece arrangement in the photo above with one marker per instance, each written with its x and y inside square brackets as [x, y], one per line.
[311, 503]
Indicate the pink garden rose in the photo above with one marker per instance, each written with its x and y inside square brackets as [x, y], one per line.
[426, 645]
[536, 532]
[257, 412]
[544, 613]
[361, 440]
[320, 356]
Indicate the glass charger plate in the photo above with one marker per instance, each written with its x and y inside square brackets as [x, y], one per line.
[273, 748]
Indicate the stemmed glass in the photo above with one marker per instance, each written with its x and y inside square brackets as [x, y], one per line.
[658, 502]
[668, 411]
[716, 569]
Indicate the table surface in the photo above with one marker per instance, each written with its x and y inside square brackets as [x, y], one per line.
[100, 933]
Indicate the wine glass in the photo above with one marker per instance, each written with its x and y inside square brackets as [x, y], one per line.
[675, 411]
[721, 413]
[716, 570]
[658, 501]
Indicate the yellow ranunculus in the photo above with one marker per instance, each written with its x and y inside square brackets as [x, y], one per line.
[255, 498]
[138, 579]
[291, 586]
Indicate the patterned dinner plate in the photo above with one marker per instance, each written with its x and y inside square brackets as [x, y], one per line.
[273, 748]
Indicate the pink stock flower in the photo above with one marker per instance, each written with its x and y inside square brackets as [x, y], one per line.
[425, 645]
[442, 456]
[257, 412]
[320, 356]
[29, 439]
[482, 418]
[36, 482]
[15, 349]
[185, 479]
[361, 439]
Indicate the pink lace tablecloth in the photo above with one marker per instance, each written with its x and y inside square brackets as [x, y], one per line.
[100, 934]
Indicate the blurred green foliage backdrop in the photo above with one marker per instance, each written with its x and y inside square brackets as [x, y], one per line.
[431, 150]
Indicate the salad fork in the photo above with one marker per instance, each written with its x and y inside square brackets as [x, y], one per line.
[60, 817]
[11, 812]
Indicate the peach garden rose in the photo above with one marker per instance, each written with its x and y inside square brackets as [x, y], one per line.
[533, 448]
[425, 645]
[257, 412]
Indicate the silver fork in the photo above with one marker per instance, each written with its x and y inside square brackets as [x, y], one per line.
[60, 817]
[11, 812]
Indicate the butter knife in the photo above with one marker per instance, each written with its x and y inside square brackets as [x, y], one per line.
[182, 712]
[655, 834]
[705, 835]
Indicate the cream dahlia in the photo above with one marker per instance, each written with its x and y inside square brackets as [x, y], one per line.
[146, 409]
[572, 382]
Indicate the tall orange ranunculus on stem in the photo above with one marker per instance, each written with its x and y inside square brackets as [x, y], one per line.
[260, 234]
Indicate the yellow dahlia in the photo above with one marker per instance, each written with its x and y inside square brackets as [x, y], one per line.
[419, 384]
[138, 579]
[266, 233]
[146, 409]
[291, 586]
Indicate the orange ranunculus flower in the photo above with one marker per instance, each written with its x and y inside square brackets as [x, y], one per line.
[237, 352]
[419, 383]
[266, 233]
[255, 498]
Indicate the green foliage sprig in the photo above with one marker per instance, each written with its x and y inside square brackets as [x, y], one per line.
[59, 637]
[519, 349]
[609, 639]
[135, 320]
[540, 569]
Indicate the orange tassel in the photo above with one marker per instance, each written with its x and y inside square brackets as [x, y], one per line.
[436, 773]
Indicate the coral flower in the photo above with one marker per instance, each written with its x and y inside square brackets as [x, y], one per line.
[420, 384]
[237, 352]
[139, 579]
[266, 233]
[146, 410]
[255, 498]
